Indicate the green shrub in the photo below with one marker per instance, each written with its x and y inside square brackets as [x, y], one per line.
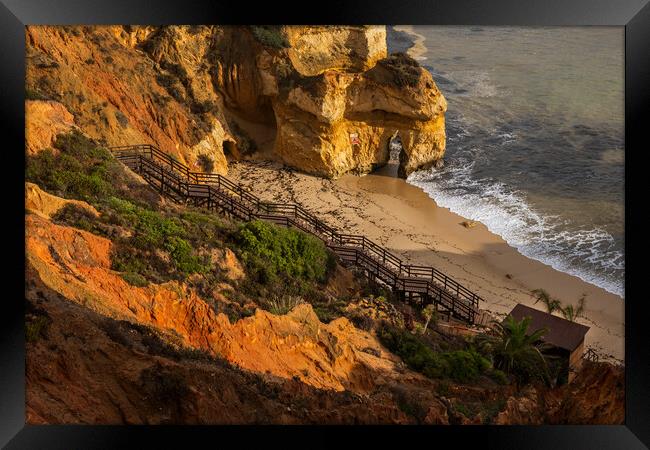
[410, 404]
[491, 409]
[499, 376]
[269, 250]
[164, 385]
[326, 313]
[169, 83]
[361, 321]
[78, 217]
[460, 365]
[125, 259]
[465, 365]
[280, 305]
[135, 279]
[204, 229]
[81, 170]
[245, 144]
[207, 106]
[153, 231]
[270, 36]
[183, 257]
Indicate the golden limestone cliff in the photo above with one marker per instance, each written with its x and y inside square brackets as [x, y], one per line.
[325, 100]
[101, 350]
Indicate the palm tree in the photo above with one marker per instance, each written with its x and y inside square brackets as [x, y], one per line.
[571, 313]
[429, 313]
[516, 351]
[552, 304]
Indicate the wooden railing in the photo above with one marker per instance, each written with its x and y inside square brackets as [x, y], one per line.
[217, 192]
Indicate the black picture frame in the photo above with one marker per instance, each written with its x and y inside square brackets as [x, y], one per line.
[634, 15]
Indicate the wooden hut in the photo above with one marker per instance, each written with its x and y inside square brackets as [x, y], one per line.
[567, 338]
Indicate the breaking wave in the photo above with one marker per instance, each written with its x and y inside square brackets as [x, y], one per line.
[588, 253]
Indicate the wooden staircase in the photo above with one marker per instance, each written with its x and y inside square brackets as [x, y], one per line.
[416, 284]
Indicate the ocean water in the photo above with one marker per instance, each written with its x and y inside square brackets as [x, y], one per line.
[535, 138]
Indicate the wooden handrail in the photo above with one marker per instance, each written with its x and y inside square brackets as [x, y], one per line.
[220, 193]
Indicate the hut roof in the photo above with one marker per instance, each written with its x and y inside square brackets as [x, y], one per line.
[561, 333]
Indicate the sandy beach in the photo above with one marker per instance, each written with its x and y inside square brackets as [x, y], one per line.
[409, 223]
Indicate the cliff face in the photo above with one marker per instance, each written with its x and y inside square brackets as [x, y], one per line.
[118, 93]
[336, 99]
[325, 100]
[76, 264]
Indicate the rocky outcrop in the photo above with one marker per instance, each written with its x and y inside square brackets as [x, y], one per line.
[595, 396]
[44, 120]
[336, 107]
[85, 368]
[325, 100]
[76, 264]
[317, 49]
[39, 202]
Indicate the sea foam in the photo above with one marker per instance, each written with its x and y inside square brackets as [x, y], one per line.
[589, 254]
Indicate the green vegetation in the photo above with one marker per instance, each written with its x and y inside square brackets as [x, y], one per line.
[410, 404]
[124, 332]
[198, 107]
[156, 236]
[430, 313]
[78, 217]
[121, 119]
[270, 36]
[516, 351]
[165, 386]
[269, 251]
[404, 69]
[149, 245]
[82, 169]
[283, 304]
[569, 312]
[135, 279]
[459, 365]
[169, 83]
[552, 304]
[36, 328]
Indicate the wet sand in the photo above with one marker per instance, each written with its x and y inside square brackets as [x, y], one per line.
[409, 223]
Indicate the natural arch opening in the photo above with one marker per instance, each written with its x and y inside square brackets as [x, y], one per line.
[395, 148]
[395, 155]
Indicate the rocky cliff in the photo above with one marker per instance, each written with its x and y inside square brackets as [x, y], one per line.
[325, 100]
[102, 350]
[143, 311]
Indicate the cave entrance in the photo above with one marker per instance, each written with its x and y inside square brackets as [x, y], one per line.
[395, 151]
[230, 150]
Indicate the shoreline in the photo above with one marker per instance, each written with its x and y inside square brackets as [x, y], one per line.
[409, 223]
[558, 263]
[417, 48]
